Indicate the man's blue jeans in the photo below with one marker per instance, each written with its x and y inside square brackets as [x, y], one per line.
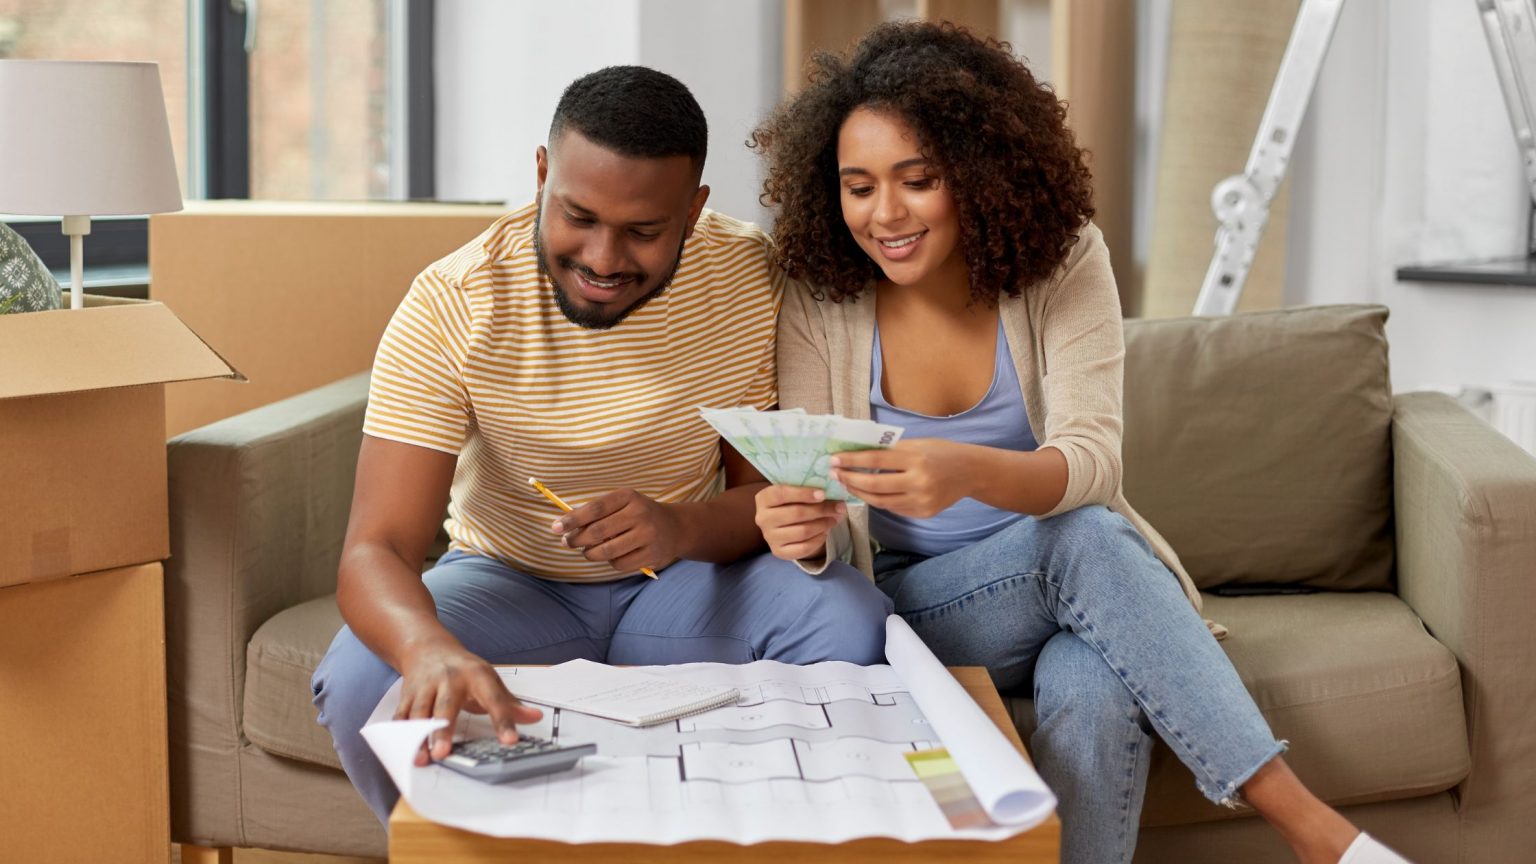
[1081, 606]
[759, 608]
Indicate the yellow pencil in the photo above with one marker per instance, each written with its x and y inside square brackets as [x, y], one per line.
[544, 490]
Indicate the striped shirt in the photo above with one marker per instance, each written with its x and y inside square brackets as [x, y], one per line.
[479, 362]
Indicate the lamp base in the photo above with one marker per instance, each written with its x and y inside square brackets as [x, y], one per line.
[76, 227]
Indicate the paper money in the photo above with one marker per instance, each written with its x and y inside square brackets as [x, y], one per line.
[792, 447]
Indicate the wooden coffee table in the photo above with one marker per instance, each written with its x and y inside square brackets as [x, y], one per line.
[414, 840]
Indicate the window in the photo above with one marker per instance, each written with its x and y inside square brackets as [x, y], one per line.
[281, 99]
[319, 112]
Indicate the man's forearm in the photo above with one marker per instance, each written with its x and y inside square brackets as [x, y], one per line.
[721, 530]
[387, 605]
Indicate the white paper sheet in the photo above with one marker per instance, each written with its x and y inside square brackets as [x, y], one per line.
[809, 753]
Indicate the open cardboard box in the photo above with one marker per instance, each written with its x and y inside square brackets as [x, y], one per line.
[82, 434]
[296, 294]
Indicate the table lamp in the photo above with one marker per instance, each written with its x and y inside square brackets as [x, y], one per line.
[81, 139]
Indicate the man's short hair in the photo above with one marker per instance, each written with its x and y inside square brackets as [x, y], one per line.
[636, 112]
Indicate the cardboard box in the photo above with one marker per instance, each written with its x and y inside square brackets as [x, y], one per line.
[83, 770]
[296, 295]
[82, 435]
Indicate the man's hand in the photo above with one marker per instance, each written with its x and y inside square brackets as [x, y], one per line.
[439, 681]
[625, 529]
[795, 520]
[918, 477]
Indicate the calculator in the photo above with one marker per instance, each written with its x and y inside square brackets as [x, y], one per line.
[491, 761]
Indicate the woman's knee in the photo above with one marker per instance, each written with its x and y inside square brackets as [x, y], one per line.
[1091, 543]
[1038, 543]
[1093, 525]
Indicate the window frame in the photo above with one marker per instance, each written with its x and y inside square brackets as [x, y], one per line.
[226, 99]
[220, 167]
[114, 241]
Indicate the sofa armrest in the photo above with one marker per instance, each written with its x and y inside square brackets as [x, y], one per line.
[258, 509]
[1465, 502]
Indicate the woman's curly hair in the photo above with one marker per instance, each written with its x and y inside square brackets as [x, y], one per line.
[996, 136]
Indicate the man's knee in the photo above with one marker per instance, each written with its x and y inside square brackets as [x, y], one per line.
[348, 684]
[850, 608]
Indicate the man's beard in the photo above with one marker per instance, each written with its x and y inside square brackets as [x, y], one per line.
[591, 318]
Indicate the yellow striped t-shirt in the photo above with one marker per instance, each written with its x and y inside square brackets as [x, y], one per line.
[478, 361]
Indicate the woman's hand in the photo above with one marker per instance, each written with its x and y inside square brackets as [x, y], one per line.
[918, 477]
[795, 520]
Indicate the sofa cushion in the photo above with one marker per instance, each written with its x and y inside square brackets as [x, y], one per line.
[1370, 702]
[280, 715]
[1259, 444]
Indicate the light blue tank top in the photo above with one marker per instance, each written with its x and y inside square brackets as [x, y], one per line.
[998, 420]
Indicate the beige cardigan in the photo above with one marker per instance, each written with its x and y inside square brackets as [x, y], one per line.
[1068, 346]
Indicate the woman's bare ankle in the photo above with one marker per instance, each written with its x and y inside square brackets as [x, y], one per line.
[1317, 833]
[1327, 844]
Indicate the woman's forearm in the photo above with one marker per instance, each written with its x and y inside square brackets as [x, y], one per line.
[1030, 482]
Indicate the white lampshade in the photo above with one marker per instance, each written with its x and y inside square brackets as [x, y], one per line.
[84, 138]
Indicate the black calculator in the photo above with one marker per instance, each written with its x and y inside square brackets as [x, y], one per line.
[491, 761]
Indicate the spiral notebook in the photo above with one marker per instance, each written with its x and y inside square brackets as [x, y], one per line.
[627, 696]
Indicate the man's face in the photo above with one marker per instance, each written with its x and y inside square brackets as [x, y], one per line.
[611, 227]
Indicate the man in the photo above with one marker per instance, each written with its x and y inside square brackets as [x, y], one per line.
[574, 341]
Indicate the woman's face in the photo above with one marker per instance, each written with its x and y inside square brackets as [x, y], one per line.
[900, 212]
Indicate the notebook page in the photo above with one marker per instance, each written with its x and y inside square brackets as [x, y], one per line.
[626, 695]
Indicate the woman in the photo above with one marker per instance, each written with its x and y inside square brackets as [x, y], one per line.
[929, 189]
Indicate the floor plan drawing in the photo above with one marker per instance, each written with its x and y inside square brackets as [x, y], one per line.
[814, 752]
[818, 729]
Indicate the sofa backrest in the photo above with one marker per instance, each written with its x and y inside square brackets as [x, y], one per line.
[1259, 444]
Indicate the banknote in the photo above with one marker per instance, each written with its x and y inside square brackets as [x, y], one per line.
[792, 447]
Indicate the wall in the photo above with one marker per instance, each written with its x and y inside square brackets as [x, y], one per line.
[1406, 156]
[1152, 27]
[727, 53]
[1026, 26]
[500, 70]
[730, 55]
[1375, 185]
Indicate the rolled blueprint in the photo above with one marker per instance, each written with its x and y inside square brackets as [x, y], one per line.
[1005, 784]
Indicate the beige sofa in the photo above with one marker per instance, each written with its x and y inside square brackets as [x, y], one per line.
[1268, 449]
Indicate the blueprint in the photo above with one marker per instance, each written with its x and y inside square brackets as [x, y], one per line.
[808, 753]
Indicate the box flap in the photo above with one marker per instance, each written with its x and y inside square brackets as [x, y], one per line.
[73, 350]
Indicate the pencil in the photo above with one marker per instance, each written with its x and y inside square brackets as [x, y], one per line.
[544, 490]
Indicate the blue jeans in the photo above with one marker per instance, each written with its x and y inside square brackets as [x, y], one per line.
[1080, 605]
[759, 608]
